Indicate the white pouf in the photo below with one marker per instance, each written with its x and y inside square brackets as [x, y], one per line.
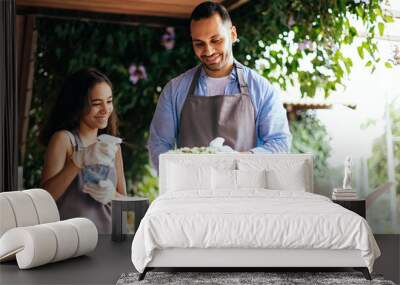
[31, 231]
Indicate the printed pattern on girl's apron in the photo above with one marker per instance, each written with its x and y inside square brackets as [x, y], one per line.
[75, 203]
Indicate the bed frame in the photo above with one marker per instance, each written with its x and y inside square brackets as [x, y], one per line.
[247, 259]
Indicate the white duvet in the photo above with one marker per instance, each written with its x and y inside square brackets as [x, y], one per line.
[251, 218]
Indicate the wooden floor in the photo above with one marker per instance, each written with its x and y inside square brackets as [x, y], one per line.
[111, 259]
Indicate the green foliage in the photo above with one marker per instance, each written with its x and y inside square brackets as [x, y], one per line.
[310, 136]
[148, 186]
[66, 46]
[284, 33]
[377, 163]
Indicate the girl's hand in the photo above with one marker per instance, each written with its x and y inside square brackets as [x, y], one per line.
[97, 153]
[103, 192]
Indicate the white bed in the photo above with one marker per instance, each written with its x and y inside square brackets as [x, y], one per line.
[215, 211]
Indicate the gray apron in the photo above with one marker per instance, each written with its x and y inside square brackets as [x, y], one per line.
[75, 203]
[231, 117]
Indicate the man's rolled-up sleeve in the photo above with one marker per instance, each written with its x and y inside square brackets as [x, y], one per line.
[163, 127]
[272, 125]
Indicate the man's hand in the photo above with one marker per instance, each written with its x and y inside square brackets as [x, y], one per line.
[218, 145]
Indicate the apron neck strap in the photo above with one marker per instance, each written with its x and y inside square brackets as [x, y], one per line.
[194, 81]
[243, 88]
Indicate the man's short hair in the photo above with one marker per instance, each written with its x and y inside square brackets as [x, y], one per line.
[207, 9]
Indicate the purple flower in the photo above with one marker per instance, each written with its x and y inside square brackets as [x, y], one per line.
[291, 21]
[333, 46]
[137, 73]
[168, 38]
[306, 44]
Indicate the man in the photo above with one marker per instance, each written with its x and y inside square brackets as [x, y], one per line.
[219, 98]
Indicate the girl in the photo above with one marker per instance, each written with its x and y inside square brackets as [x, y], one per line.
[81, 173]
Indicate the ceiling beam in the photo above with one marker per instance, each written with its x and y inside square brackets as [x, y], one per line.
[233, 4]
[101, 17]
[132, 12]
[159, 8]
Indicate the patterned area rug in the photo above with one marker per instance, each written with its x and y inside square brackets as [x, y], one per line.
[242, 278]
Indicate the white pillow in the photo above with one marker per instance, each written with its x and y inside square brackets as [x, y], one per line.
[183, 177]
[224, 179]
[283, 173]
[293, 180]
[251, 179]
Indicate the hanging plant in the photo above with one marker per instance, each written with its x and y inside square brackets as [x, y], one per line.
[285, 33]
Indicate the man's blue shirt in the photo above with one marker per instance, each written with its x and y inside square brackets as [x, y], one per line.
[272, 130]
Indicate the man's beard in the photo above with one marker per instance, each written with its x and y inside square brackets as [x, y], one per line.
[218, 66]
